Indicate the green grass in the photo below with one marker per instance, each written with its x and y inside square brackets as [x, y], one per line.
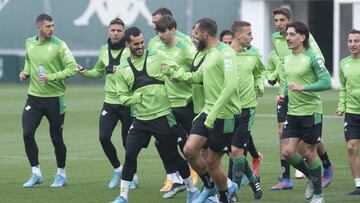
[88, 170]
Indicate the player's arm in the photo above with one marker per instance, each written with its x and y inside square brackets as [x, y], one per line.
[182, 75]
[24, 74]
[124, 81]
[324, 79]
[68, 62]
[259, 75]
[342, 94]
[271, 72]
[230, 86]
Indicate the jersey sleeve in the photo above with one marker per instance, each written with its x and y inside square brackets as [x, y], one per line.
[27, 68]
[342, 91]
[230, 86]
[324, 79]
[271, 72]
[98, 71]
[68, 61]
[259, 75]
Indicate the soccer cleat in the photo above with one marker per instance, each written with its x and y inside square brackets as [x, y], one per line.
[59, 181]
[34, 180]
[176, 188]
[233, 189]
[192, 195]
[255, 186]
[244, 181]
[194, 176]
[355, 192]
[119, 199]
[134, 183]
[299, 174]
[205, 194]
[327, 175]
[167, 185]
[317, 199]
[309, 192]
[115, 180]
[283, 184]
[212, 199]
[256, 164]
[233, 198]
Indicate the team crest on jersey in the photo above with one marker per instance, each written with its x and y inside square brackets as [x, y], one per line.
[228, 63]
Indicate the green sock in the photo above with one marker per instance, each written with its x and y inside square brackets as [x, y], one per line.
[315, 172]
[238, 169]
[300, 164]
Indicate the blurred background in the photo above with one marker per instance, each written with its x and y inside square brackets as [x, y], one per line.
[82, 24]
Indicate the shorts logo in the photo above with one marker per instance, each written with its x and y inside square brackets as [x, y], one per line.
[286, 122]
[28, 107]
[318, 139]
[225, 149]
[104, 112]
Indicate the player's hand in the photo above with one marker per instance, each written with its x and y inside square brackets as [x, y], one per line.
[80, 69]
[23, 76]
[339, 112]
[165, 68]
[280, 99]
[296, 87]
[43, 78]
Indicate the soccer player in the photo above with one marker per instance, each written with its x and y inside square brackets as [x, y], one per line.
[250, 71]
[306, 76]
[349, 103]
[215, 126]
[179, 93]
[140, 84]
[48, 62]
[282, 17]
[154, 44]
[111, 55]
[226, 37]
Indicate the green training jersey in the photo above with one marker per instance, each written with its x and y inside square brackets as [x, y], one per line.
[349, 94]
[250, 70]
[281, 49]
[155, 42]
[147, 102]
[306, 69]
[198, 95]
[219, 76]
[57, 60]
[182, 54]
[99, 70]
[271, 71]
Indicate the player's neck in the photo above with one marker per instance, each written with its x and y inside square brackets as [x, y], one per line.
[211, 43]
[42, 38]
[236, 46]
[173, 42]
[298, 50]
[355, 56]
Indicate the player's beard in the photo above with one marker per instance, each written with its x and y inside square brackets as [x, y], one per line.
[201, 45]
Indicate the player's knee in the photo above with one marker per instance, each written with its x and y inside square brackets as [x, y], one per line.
[287, 153]
[28, 137]
[189, 151]
[104, 138]
[352, 147]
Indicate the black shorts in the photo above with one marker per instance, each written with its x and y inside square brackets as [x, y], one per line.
[243, 128]
[281, 110]
[307, 128]
[219, 138]
[352, 126]
[164, 129]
